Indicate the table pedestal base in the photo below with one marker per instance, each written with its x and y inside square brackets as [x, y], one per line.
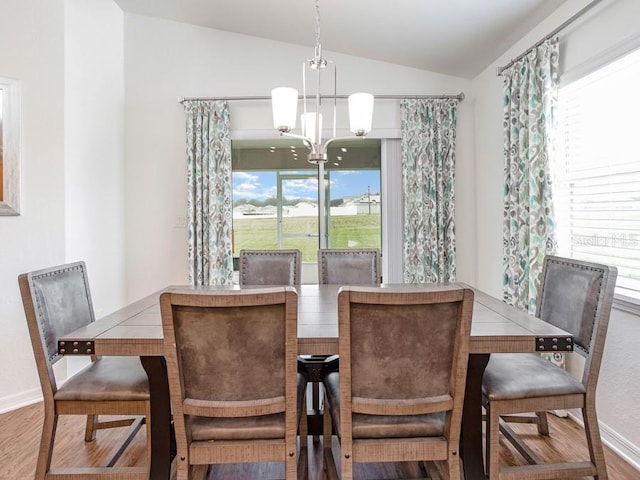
[471, 438]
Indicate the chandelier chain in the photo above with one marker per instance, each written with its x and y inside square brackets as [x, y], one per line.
[317, 27]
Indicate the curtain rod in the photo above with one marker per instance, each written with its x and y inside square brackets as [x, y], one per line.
[459, 96]
[557, 30]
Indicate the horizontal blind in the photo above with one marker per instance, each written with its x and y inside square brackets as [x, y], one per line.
[596, 170]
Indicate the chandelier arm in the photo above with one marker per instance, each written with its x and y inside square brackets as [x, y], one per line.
[307, 141]
[329, 141]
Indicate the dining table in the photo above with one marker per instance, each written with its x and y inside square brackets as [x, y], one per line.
[136, 330]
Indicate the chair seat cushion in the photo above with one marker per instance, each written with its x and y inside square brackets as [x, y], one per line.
[107, 379]
[263, 427]
[512, 376]
[382, 426]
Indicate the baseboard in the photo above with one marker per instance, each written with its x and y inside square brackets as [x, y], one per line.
[629, 452]
[22, 399]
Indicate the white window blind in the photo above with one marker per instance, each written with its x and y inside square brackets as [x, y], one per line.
[596, 170]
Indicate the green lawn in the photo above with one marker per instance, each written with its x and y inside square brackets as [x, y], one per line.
[345, 231]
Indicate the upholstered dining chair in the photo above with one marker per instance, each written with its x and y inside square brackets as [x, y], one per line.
[270, 267]
[342, 266]
[235, 392]
[403, 362]
[575, 296]
[58, 301]
[349, 266]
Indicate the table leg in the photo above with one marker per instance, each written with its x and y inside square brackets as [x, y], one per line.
[471, 438]
[312, 367]
[163, 448]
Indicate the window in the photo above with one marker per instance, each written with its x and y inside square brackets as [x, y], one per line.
[596, 170]
[275, 196]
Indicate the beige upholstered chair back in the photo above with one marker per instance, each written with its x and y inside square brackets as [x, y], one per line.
[349, 266]
[233, 380]
[61, 303]
[404, 349]
[233, 349]
[229, 343]
[399, 393]
[270, 267]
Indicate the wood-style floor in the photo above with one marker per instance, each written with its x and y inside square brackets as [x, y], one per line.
[20, 436]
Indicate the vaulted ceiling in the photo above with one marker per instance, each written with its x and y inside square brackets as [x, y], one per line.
[453, 37]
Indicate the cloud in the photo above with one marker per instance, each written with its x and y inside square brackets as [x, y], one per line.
[300, 188]
[251, 186]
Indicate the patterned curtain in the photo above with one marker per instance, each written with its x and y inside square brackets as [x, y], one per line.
[530, 98]
[428, 129]
[209, 196]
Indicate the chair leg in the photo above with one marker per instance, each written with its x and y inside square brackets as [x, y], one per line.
[315, 403]
[346, 466]
[542, 423]
[326, 426]
[453, 467]
[304, 425]
[291, 459]
[492, 442]
[182, 471]
[46, 445]
[90, 429]
[594, 441]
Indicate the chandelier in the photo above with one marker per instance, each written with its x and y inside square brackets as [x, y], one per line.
[285, 106]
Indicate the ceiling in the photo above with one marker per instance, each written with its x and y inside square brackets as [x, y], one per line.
[454, 37]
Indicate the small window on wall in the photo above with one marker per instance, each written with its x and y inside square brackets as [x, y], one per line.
[275, 196]
[596, 170]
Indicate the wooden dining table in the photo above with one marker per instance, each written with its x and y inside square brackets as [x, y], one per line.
[136, 330]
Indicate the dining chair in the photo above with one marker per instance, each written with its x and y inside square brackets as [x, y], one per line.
[270, 267]
[349, 266]
[398, 395]
[57, 301]
[575, 296]
[235, 392]
[340, 266]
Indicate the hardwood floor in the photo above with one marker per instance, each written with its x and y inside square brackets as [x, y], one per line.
[20, 435]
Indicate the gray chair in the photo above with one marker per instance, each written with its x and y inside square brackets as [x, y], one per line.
[57, 301]
[575, 296]
[403, 365]
[351, 266]
[236, 395]
[270, 267]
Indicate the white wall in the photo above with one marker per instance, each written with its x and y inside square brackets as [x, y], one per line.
[608, 27]
[166, 60]
[94, 146]
[31, 50]
[69, 56]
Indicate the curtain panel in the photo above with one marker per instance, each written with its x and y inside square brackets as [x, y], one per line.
[428, 131]
[209, 199]
[530, 101]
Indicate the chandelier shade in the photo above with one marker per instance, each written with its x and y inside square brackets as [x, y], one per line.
[284, 103]
[360, 113]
